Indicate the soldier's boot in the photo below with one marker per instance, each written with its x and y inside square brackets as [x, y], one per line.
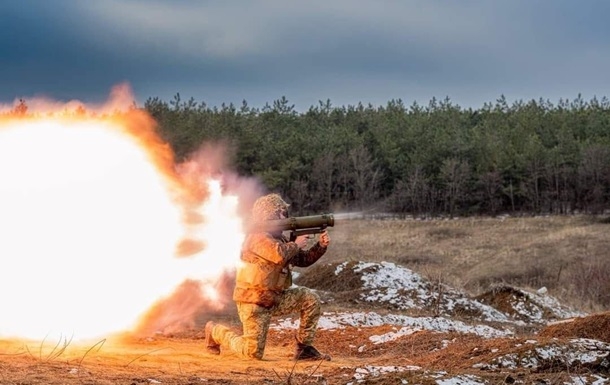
[211, 346]
[308, 352]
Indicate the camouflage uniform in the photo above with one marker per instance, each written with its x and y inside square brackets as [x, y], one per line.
[264, 286]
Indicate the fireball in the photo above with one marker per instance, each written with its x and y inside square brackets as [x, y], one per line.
[92, 213]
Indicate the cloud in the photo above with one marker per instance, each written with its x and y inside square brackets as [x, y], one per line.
[348, 51]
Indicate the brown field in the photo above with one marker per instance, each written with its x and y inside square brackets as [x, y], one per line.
[568, 255]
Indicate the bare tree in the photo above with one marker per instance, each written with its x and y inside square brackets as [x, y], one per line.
[365, 176]
[342, 188]
[417, 190]
[21, 109]
[594, 175]
[299, 195]
[322, 179]
[492, 188]
[455, 174]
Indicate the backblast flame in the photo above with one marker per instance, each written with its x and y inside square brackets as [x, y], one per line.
[91, 214]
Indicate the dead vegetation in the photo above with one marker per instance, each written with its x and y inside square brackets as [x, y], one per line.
[594, 326]
[565, 254]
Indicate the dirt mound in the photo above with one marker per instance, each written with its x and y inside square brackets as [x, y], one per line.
[525, 306]
[428, 354]
[326, 277]
[392, 287]
[595, 326]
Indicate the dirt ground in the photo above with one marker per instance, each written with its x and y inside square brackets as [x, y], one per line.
[180, 359]
[546, 349]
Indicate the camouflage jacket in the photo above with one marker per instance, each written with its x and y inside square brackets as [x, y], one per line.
[266, 264]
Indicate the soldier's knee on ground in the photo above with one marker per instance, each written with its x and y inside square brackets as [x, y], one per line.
[252, 350]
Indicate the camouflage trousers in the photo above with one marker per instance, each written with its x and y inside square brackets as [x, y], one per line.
[256, 319]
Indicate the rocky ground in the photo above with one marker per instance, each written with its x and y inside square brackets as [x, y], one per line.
[382, 324]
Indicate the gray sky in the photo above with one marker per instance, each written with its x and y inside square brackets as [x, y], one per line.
[348, 51]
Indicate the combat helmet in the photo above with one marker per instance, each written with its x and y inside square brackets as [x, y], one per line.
[268, 207]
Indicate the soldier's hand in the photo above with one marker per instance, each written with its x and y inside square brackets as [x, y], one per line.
[324, 239]
[301, 241]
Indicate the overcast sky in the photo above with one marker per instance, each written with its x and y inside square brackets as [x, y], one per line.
[348, 51]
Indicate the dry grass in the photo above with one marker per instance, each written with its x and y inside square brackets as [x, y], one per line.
[566, 254]
[595, 326]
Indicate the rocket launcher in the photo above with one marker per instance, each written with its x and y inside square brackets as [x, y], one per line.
[313, 224]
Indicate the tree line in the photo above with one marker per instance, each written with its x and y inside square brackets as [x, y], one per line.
[437, 159]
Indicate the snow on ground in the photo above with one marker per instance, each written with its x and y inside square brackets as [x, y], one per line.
[550, 303]
[330, 320]
[580, 352]
[403, 289]
[586, 380]
[400, 290]
[441, 378]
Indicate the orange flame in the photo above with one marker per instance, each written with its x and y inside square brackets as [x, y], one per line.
[93, 211]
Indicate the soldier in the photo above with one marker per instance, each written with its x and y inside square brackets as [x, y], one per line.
[263, 288]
